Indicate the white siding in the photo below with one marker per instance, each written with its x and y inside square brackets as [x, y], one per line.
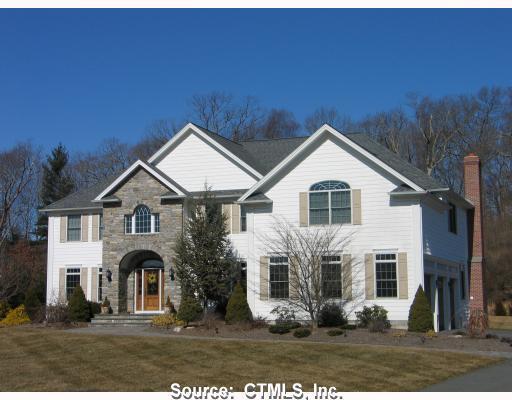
[76, 254]
[193, 162]
[384, 226]
[441, 243]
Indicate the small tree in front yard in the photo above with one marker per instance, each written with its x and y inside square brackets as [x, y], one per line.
[420, 313]
[190, 309]
[205, 263]
[317, 257]
[78, 309]
[238, 309]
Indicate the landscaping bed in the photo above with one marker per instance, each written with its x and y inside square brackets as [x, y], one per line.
[450, 340]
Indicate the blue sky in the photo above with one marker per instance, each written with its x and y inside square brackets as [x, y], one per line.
[79, 76]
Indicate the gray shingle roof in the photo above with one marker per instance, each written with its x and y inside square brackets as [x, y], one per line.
[263, 156]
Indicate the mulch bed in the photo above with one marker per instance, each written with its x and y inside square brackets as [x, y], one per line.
[449, 340]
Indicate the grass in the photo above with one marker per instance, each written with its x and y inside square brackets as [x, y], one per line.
[42, 359]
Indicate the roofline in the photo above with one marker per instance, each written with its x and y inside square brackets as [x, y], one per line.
[269, 201]
[127, 172]
[47, 210]
[215, 144]
[327, 128]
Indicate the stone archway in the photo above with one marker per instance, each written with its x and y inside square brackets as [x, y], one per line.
[129, 263]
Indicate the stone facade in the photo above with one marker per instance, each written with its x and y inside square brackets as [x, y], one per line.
[123, 252]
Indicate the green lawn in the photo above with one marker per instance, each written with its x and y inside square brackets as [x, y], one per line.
[38, 359]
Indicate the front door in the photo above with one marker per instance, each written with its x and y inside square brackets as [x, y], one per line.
[148, 290]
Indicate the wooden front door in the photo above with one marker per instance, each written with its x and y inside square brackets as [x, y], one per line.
[148, 289]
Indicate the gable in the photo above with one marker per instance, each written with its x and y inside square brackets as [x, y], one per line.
[192, 162]
[140, 185]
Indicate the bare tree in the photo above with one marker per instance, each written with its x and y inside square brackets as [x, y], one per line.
[317, 257]
[18, 171]
[327, 115]
[279, 123]
[221, 113]
[157, 134]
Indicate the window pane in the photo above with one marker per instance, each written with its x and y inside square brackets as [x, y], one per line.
[341, 216]
[72, 280]
[74, 227]
[319, 217]
[318, 208]
[331, 276]
[128, 224]
[157, 222]
[142, 220]
[278, 276]
[100, 285]
[319, 200]
[243, 218]
[386, 279]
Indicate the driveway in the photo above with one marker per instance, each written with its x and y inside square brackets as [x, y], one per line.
[497, 378]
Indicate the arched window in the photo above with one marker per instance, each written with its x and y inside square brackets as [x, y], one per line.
[329, 203]
[142, 221]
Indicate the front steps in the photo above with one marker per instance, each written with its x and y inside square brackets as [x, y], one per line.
[122, 319]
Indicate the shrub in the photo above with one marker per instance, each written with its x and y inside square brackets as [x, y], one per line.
[190, 309]
[431, 334]
[280, 329]
[335, 332]
[283, 314]
[259, 322]
[163, 321]
[302, 332]
[332, 315]
[238, 309]
[420, 313]
[349, 327]
[4, 309]
[57, 313]
[377, 325]
[499, 310]
[16, 317]
[375, 313]
[33, 305]
[78, 309]
[94, 308]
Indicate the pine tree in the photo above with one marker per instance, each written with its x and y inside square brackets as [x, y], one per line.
[78, 309]
[420, 313]
[56, 184]
[190, 309]
[205, 264]
[238, 309]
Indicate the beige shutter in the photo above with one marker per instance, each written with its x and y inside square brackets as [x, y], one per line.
[95, 227]
[369, 276]
[62, 285]
[94, 284]
[226, 210]
[403, 287]
[346, 277]
[83, 280]
[63, 228]
[356, 207]
[85, 228]
[294, 278]
[264, 283]
[303, 209]
[235, 218]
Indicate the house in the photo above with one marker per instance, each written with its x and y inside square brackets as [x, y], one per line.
[116, 239]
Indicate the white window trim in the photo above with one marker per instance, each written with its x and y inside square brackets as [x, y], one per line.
[340, 255]
[375, 275]
[268, 277]
[330, 213]
[141, 233]
[79, 273]
[67, 227]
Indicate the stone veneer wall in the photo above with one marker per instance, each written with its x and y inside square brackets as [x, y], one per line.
[141, 188]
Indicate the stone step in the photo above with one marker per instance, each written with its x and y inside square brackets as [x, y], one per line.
[120, 319]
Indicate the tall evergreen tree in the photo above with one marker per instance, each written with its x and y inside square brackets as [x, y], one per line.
[56, 184]
[205, 263]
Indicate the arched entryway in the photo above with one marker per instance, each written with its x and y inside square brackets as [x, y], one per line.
[141, 282]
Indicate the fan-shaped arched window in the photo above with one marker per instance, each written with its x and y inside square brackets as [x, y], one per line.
[330, 203]
[142, 221]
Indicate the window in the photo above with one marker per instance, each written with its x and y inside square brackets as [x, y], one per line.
[142, 220]
[72, 280]
[157, 222]
[128, 224]
[452, 218]
[74, 228]
[100, 284]
[462, 279]
[243, 219]
[385, 273]
[331, 276]
[101, 227]
[278, 277]
[330, 203]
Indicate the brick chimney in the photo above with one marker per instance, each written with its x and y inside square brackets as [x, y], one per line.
[473, 192]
